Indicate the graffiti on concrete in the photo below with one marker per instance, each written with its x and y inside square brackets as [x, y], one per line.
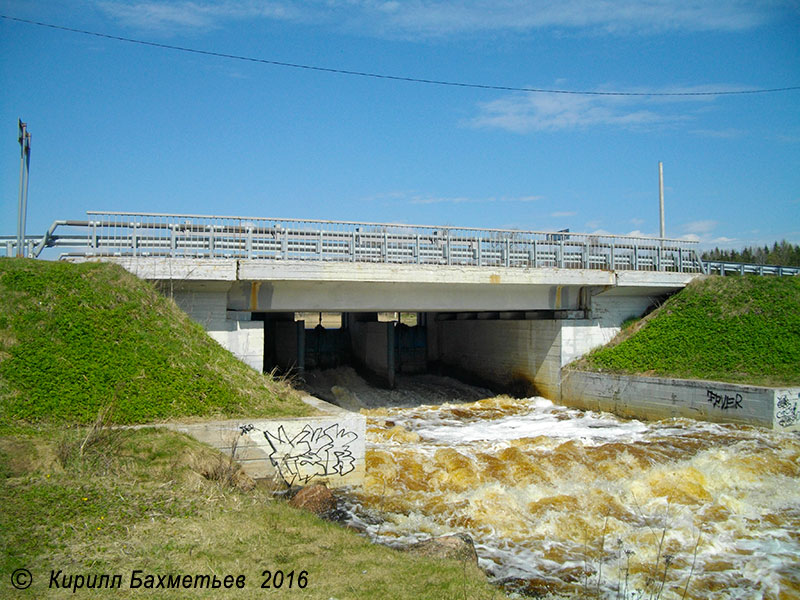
[723, 401]
[313, 452]
[786, 413]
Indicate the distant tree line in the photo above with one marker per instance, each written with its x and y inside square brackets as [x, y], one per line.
[783, 253]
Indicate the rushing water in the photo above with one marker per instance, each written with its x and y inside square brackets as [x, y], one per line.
[574, 502]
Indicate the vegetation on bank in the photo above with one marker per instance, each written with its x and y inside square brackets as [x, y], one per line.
[76, 338]
[110, 501]
[733, 329]
[90, 343]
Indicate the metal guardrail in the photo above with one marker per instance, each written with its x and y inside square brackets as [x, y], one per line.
[197, 236]
[148, 234]
[713, 267]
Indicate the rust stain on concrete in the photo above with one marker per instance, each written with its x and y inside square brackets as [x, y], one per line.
[254, 286]
[494, 278]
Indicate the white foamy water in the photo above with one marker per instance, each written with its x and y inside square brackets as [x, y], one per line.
[567, 501]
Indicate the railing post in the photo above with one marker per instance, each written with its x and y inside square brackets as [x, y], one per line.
[561, 252]
[353, 246]
[210, 229]
[134, 237]
[636, 257]
[416, 250]
[173, 241]
[507, 261]
[385, 248]
[285, 244]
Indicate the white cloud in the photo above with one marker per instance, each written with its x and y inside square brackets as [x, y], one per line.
[700, 227]
[524, 112]
[162, 15]
[436, 18]
[639, 233]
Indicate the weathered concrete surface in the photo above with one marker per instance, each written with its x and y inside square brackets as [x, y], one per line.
[207, 305]
[663, 398]
[530, 353]
[328, 448]
[370, 343]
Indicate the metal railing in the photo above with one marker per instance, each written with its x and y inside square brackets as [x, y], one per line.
[197, 236]
[715, 267]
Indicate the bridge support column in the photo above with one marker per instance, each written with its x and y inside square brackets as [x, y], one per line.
[301, 345]
[372, 343]
[390, 355]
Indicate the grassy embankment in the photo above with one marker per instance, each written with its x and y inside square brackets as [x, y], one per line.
[77, 340]
[732, 329]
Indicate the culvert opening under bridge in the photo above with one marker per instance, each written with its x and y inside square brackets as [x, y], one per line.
[520, 352]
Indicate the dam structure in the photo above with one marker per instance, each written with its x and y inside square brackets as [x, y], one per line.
[506, 307]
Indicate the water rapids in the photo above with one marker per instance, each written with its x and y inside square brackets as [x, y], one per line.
[569, 502]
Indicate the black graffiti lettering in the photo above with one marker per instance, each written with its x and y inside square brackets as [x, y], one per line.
[724, 401]
[786, 413]
[314, 452]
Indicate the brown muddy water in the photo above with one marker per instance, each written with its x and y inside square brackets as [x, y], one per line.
[573, 503]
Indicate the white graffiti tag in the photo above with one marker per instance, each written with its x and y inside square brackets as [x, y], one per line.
[313, 452]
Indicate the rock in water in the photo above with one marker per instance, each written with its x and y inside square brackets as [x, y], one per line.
[314, 498]
[457, 547]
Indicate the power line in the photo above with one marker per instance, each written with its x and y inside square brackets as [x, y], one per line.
[440, 82]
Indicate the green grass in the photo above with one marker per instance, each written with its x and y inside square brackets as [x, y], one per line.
[81, 342]
[137, 499]
[733, 329]
[76, 338]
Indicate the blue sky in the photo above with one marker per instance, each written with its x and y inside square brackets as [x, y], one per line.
[121, 126]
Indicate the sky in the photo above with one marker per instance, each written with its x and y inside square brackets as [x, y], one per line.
[123, 126]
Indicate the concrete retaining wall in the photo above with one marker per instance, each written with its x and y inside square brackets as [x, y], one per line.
[234, 331]
[662, 398]
[509, 352]
[504, 352]
[295, 451]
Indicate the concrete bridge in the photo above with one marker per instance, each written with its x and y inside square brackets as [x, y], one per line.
[505, 306]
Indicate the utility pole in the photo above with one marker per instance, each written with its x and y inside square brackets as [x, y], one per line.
[24, 173]
[661, 195]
